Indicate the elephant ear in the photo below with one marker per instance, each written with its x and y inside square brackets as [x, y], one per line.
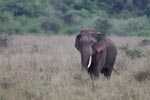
[101, 44]
[77, 41]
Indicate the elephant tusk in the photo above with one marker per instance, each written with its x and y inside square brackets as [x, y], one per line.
[90, 60]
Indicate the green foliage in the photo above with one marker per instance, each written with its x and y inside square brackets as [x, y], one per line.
[144, 33]
[119, 17]
[124, 47]
[132, 53]
[131, 26]
[147, 10]
[52, 25]
[8, 24]
[102, 25]
[30, 8]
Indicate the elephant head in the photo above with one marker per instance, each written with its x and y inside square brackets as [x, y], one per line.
[88, 42]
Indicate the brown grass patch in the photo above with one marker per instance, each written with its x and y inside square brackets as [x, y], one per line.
[48, 68]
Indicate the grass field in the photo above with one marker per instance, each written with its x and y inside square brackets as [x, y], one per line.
[48, 68]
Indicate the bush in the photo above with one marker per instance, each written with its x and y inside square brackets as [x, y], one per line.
[8, 24]
[132, 53]
[147, 10]
[119, 27]
[69, 18]
[102, 25]
[144, 42]
[142, 76]
[52, 25]
[124, 47]
[144, 33]
[4, 41]
[131, 26]
[28, 25]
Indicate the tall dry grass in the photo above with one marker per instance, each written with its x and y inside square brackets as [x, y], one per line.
[48, 68]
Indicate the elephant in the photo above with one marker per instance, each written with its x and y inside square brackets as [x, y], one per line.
[98, 52]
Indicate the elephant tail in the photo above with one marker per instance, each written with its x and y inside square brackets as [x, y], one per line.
[116, 71]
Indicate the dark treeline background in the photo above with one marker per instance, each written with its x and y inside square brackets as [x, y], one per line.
[120, 17]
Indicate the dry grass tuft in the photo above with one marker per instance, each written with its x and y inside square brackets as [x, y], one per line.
[4, 40]
[5, 83]
[144, 42]
[142, 76]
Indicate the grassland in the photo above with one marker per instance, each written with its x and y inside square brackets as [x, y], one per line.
[48, 68]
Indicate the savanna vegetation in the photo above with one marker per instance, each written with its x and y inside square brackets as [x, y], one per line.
[36, 66]
[48, 68]
[121, 17]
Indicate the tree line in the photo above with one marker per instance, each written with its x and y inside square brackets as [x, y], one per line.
[120, 17]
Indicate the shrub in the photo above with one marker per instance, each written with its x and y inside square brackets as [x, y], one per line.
[28, 25]
[142, 76]
[125, 14]
[131, 26]
[52, 25]
[147, 10]
[102, 25]
[119, 27]
[143, 33]
[132, 53]
[69, 18]
[124, 47]
[4, 41]
[144, 42]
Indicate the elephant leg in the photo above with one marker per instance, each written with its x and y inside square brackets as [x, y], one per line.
[92, 77]
[108, 75]
[93, 71]
[107, 72]
[108, 67]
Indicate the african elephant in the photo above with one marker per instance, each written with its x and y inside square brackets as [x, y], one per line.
[98, 52]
